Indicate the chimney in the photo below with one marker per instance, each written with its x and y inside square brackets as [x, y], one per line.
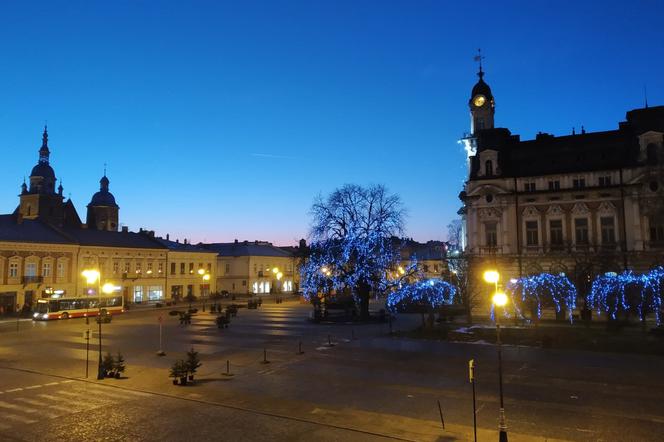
[236, 241]
[177, 240]
[125, 229]
[167, 236]
[151, 233]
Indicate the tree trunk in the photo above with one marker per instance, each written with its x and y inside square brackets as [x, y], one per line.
[363, 292]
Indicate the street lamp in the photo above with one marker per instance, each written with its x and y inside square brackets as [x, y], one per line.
[92, 276]
[205, 275]
[499, 299]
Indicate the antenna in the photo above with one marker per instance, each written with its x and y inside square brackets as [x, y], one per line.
[104, 169]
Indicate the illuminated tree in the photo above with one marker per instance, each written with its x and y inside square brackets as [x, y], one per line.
[627, 292]
[533, 293]
[422, 296]
[351, 243]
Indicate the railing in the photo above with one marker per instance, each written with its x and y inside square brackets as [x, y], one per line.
[649, 245]
[490, 250]
[32, 279]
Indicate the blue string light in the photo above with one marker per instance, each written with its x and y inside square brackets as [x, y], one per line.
[628, 292]
[540, 288]
[431, 293]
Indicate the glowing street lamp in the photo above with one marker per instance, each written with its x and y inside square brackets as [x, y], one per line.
[491, 276]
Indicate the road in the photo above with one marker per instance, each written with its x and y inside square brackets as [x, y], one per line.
[367, 385]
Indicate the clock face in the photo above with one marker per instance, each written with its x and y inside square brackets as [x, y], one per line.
[479, 100]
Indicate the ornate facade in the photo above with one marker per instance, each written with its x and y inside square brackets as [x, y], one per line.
[582, 204]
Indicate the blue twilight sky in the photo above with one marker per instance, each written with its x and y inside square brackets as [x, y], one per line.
[223, 120]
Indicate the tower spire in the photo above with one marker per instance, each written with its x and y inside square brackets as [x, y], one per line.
[43, 151]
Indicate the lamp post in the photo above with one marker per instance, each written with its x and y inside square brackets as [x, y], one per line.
[499, 300]
[206, 278]
[92, 276]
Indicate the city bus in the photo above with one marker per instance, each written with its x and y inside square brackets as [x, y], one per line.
[65, 308]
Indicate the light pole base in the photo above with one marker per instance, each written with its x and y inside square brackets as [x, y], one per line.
[502, 436]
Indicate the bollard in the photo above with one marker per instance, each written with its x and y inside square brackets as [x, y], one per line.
[352, 334]
[265, 361]
[299, 351]
[440, 410]
[228, 368]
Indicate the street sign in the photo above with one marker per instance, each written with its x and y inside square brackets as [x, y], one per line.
[160, 319]
[471, 370]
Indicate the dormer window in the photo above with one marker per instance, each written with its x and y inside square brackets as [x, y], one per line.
[488, 168]
[651, 154]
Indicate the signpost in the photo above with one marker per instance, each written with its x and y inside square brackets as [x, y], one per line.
[86, 336]
[160, 352]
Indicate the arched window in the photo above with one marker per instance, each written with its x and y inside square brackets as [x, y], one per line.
[651, 152]
[488, 168]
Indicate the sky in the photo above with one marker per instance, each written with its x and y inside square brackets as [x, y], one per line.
[224, 120]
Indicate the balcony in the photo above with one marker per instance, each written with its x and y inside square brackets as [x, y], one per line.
[32, 280]
[491, 250]
[654, 245]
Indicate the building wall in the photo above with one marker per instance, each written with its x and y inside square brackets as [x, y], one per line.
[183, 274]
[38, 268]
[250, 274]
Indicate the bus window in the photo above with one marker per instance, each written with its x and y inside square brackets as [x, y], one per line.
[54, 306]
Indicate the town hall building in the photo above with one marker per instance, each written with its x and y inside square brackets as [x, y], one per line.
[582, 204]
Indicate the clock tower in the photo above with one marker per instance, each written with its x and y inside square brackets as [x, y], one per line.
[482, 105]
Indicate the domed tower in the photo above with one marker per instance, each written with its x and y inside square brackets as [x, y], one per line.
[482, 105]
[103, 211]
[40, 200]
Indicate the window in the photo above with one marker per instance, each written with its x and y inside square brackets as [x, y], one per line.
[31, 269]
[491, 234]
[172, 268]
[608, 230]
[426, 268]
[436, 268]
[46, 270]
[255, 268]
[554, 185]
[244, 283]
[127, 267]
[488, 168]
[579, 183]
[651, 153]
[228, 268]
[155, 293]
[581, 230]
[138, 267]
[13, 270]
[116, 267]
[656, 230]
[556, 232]
[529, 187]
[160, 267]
[182, 265]
[532, 233]
[61, 270]
[209, 267]
[149, 267]
[605, 180]
[191, 268]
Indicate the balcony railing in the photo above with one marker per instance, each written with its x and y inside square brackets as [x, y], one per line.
[32, 279]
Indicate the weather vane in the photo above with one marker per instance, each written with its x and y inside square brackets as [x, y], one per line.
[479, 57]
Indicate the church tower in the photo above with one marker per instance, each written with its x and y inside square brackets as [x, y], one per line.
[103, 211]
[40, 200]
